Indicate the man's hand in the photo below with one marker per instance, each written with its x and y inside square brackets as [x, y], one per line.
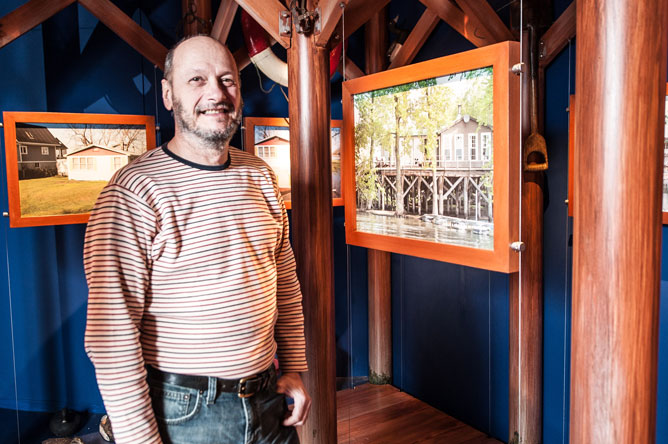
[290, 384]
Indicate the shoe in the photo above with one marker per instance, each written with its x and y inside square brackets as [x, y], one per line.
[105, 429]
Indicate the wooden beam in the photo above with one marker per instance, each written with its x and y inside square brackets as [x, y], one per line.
[525, 355]
[312, 238]
[224, 18]
[330, 14]
[422, 30]
[376, 42]
[266, 13]
[453, 16]
[27, 16]
[485, 19]
[358, 12]
[619, 112]
[127, 29]
[379, 262]
[558, 35]
[241, 58]
[352, 71]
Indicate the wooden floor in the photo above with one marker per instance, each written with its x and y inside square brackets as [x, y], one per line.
[382, 414]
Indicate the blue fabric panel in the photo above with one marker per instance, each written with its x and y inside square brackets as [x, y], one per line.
[557, 256]
[23, 89]
[499, 339]
[79, 375]
[662, 386]
[445, 338]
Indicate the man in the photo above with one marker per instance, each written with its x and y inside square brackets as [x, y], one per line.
[192, 282]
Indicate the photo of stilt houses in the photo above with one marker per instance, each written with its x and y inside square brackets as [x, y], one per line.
[665, 159]
[424, 160]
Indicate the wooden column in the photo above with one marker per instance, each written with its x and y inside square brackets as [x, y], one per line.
[310, 163]
[380, 275]
[526, 318]
[620, 78]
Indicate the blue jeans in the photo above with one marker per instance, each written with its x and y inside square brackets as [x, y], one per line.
[190, 416]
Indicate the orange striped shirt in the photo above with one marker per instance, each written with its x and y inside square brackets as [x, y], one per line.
[189, 269]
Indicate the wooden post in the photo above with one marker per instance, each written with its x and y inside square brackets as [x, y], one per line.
[619, 112]
[309, 111]
[379, 262]
[196, 16]
[526, 319]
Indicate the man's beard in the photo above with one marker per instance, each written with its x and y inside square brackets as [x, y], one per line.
[213, 138]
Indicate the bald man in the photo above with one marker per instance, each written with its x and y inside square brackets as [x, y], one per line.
[192, 284]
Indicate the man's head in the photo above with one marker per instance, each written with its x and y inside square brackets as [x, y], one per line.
[201, 86]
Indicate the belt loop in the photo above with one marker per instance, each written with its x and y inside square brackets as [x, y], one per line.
[211, 392]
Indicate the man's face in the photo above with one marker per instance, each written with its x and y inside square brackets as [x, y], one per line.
[204, 91]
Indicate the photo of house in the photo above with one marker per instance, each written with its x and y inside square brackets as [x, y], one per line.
[271, 143]
[424, 160]
[38, 152]
[62, 167]
[94, 162]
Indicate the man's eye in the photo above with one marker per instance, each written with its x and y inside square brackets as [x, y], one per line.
[227, 82]
[196, 79]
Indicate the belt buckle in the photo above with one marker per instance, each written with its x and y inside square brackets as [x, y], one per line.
[241, 391]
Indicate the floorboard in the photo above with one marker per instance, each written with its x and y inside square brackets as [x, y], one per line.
[382, 414]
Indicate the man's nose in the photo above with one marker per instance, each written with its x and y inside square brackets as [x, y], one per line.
[216, 91]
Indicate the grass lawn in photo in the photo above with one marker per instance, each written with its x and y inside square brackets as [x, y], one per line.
[57, 195]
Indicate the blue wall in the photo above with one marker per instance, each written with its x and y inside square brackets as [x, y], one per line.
[450, 323]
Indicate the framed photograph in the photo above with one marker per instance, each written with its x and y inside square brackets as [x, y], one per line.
[57, 163]
[431, 159]
[269, 139]
[571, 157]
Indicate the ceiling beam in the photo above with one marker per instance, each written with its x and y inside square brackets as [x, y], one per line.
[330, 14]
[266, 13]
[358, 12]
[557, 36]
[224, 18]
[485, 19]
[352, 71]
[455, 17]
[127, 29]
[27, 16]
[416, 39]
[241, 58]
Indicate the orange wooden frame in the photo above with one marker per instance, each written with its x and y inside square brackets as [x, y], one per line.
[249, 142]
[571, 157]
[506, 142]
[10, 120]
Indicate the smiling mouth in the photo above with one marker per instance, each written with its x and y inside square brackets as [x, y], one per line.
[225, 109]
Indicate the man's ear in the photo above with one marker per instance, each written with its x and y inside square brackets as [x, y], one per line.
[167, 94]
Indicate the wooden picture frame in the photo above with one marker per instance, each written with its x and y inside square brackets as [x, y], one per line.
[572, 127]
[376, 227]
[277, 145]
[57, 163]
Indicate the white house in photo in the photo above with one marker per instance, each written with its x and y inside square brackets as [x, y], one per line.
[95, 162]
[465, 143]
[275, 151]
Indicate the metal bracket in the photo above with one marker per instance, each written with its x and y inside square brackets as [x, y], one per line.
[541, 49]
[518, 68]
[308, 22]
[284, 23]
[518, 246]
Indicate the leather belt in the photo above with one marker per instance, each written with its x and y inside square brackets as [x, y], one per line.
[244, 387]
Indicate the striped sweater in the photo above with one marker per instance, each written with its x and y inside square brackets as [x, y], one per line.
[190, 270]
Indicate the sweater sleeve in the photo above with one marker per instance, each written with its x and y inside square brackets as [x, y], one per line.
[289, 329]
[117, 263]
